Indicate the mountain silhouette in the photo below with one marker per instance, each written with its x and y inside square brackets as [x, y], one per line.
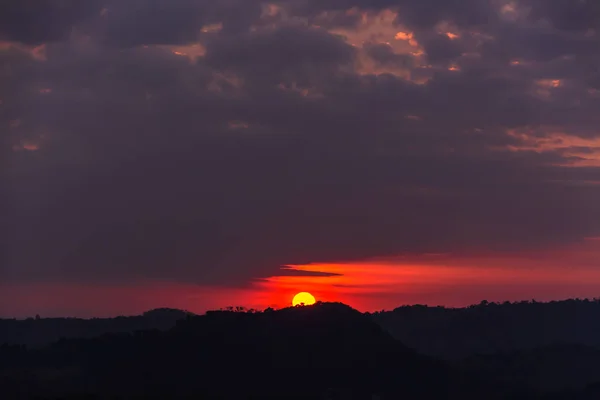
[324, 351]
[490, 328]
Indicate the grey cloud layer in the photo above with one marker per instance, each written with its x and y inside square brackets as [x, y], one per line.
[128, 161]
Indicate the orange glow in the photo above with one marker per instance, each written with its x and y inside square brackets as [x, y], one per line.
[377, 29]
[509, 8]
[510, 11]
[38, 53]
[544, 87]
[302, 91]
[373, 27]
[270, 10]
[568, 145]
[31, 146]
[442, 279]
[433, 279]
[108, 300]
[550, 83]
[407, 37]
[212, 28]
[191, 51]
[238, 125]
[28, 145]
[303, 299]
[225, 82]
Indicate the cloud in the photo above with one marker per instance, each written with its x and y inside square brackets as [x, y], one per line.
[567, 15]
[440, 48]
[158, 22]
[270, 54]
[383, 54]
[46, 20]
[158, 148]
[422, 14]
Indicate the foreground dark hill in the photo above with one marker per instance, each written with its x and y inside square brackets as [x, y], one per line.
[306, 352]
[549, 369]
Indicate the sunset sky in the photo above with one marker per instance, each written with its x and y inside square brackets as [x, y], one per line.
[200, 154]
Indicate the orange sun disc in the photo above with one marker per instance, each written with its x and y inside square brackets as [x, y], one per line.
[303, 299]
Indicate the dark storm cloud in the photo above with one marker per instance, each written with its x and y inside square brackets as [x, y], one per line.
[417, 14]
[142, 148]
[383, 54]
[570, 15]
[540, 44]
[34, 22]
[440, 48]
[141, 22]
[120, 23]
[280, 51]
[154, 22]
[336, 19]
[425, 14]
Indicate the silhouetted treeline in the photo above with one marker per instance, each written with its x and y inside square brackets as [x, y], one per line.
[451, 333]
[489, 328]
[524, 350]
[324, 351]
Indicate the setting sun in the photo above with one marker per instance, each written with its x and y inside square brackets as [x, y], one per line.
[303, 298]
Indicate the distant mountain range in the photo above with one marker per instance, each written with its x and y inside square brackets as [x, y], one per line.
[489, 328]
[36, 332]
[449, 333]
[323, 351]
[492, 351]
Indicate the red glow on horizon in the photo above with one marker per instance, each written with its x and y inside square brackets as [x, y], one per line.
[443, 279]
[435, 279]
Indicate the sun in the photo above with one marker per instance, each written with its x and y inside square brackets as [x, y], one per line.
[303, 299]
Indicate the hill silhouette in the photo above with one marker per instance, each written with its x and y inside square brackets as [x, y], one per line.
[489, 328]
[322, 351]
[449, 333]
[554, 368]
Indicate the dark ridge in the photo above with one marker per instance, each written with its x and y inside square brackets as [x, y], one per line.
[489, 328]
[36, 332]
[304, 352]
[500, 351]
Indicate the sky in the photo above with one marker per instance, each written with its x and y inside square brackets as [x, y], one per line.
[200, 154]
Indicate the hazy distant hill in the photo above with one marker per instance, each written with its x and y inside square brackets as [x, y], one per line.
[490, 328]
[42, 331]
